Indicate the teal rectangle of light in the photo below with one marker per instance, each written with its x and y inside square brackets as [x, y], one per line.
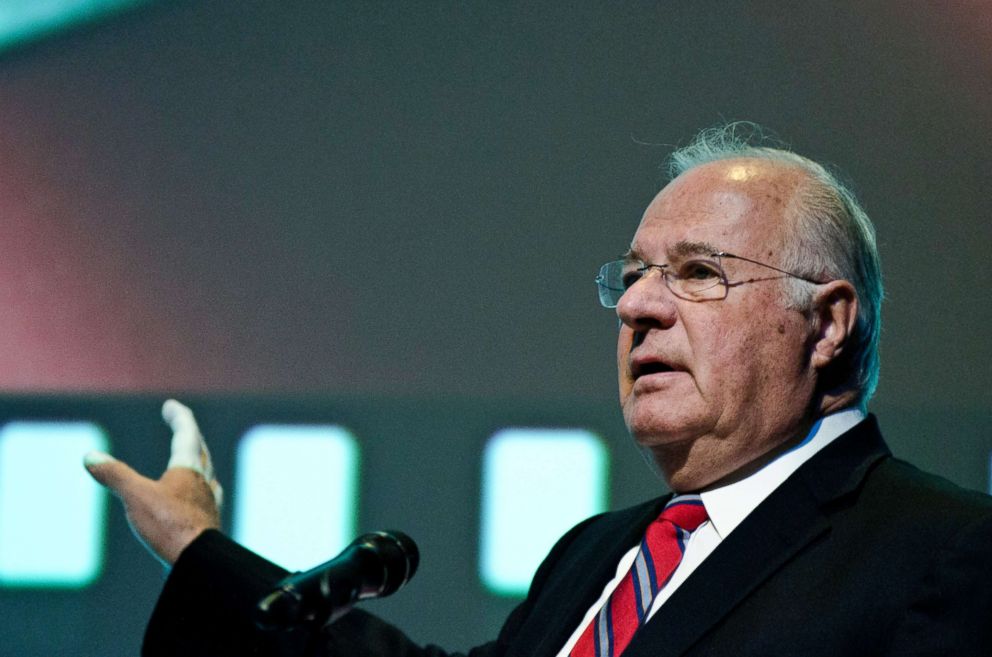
[21, 20]
[295, 495]
[536, 485]
[52, 514]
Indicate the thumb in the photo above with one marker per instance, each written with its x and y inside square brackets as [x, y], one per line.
[116, 475]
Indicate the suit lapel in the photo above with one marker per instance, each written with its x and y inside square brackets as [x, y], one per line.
[780, 527]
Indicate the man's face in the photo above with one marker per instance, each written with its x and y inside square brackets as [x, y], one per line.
[724, 382]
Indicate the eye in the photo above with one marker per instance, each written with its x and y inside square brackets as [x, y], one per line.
[699, 271]
[631, 277]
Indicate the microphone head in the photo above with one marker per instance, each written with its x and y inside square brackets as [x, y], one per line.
[372, 566]
[397, 554]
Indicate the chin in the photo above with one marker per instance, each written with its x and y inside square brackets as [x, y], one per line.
[646, 433]
[653, 430]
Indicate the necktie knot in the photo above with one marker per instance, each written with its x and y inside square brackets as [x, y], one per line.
[685, 512]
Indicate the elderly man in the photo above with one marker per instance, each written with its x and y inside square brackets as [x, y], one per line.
[749, 308]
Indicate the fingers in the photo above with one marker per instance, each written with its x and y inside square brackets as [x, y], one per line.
[189, 449]
[116, 475]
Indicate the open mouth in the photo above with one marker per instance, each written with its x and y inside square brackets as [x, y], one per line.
[650, 367]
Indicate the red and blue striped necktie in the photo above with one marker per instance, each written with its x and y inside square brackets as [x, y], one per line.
[660, 552]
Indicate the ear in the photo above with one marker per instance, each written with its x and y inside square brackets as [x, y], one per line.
[835, 314]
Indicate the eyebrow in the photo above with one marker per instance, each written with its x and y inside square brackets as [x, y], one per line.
[681, 249]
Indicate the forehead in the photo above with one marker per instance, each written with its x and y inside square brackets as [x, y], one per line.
[739, 205]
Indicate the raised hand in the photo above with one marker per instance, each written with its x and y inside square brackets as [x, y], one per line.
[168, 513]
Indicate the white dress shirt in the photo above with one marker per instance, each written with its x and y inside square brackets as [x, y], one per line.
[727, 507]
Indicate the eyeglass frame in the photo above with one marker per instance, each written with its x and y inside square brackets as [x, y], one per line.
[725, 282]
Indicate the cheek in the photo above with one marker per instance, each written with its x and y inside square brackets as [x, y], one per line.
[723, 354]
[714, 344]
[755, 357]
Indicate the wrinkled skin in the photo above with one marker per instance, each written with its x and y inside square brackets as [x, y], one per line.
[739, 375]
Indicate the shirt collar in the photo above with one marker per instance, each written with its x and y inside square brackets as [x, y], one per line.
[728, 505]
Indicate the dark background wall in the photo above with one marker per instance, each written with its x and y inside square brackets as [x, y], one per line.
[356, 200]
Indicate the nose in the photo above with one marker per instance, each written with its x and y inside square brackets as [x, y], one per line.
[648, 303]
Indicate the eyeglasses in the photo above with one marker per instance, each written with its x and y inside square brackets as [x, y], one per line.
[700, 278]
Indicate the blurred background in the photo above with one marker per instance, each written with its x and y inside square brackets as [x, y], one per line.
[386, 218]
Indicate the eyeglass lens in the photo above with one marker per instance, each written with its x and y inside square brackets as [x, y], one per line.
[696, 279]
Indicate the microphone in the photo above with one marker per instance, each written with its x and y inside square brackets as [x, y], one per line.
[373, 566]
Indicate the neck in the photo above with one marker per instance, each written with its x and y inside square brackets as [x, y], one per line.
[708, 462]
[703, 464]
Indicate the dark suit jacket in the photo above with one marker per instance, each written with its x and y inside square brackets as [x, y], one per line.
[856, 554]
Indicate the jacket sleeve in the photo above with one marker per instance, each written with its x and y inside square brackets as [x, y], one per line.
[207, 606]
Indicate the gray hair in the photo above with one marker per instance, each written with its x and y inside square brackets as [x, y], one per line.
[834, 237]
